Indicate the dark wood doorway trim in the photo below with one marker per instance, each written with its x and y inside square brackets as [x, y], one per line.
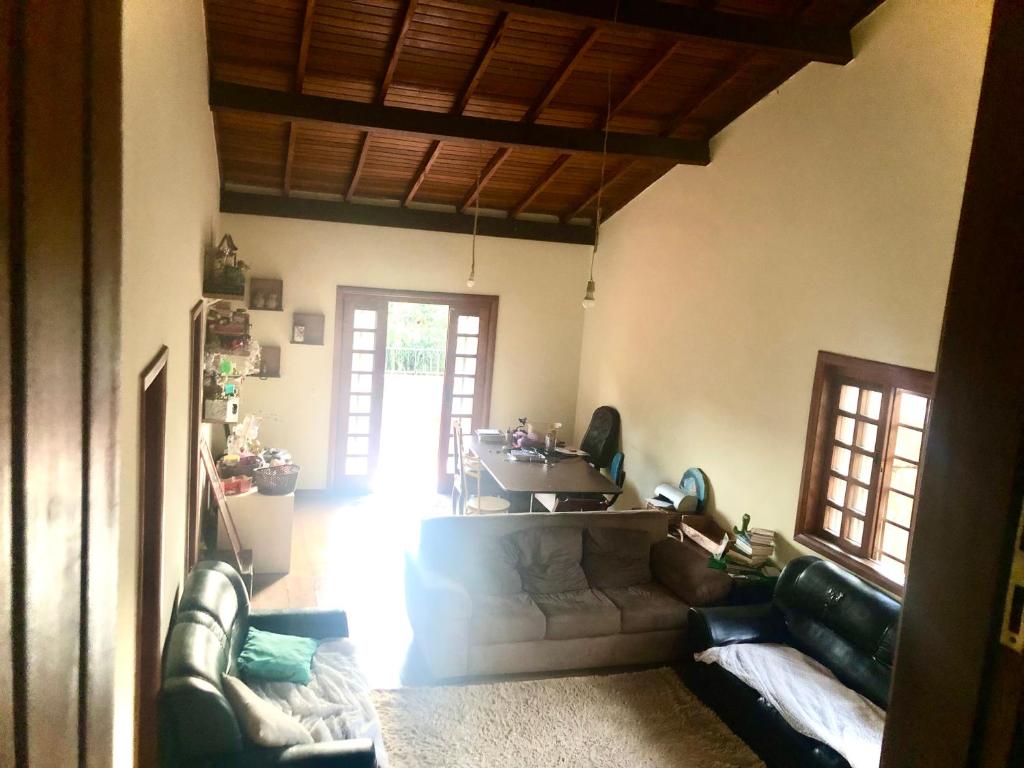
[956, 691]
[339, 388]
[149, 632]
[60, 261]
[197, 334]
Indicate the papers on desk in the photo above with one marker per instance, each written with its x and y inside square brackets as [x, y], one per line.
[526, 454]
[490, 435]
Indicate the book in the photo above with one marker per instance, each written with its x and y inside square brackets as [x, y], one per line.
[746, 547]
[742, 559]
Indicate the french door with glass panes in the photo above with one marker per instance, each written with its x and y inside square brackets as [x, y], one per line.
[361, 337]
[468, 368]
[359, 393]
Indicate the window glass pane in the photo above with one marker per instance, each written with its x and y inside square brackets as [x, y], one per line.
[363, 340]
[895, 541]
[867, 434]
[836, 491]
[362, 361]
[465, 365]
[365, 319]
[862, 467]
[893, 569]
[462, 406]
[359, 425]
[356, 465]
[871, 404]
[848, 398]
[449, 466]
[451, 446]
[463, 385]
[841, 460]
[858, 498]
[833, 520]
[899, 508]
[469, 325]
[903, 476]
[855, 534]
[844, 429]
[358, 446]
[908, 443]
[359, 404]
[467, 425]
[466, 345]
[912, 409]
[362, 382]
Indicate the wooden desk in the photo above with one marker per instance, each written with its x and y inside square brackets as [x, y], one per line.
[569, 476]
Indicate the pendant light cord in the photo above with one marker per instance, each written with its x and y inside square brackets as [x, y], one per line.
[604, 158]
[476, 213]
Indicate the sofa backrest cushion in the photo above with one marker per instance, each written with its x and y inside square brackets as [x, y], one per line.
[490, 570]
[616, 557]
[842, 621]
[548, 559]
[211, 621]
[451, 539]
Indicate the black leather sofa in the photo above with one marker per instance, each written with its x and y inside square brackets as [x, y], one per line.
[823, 611]
[197, 725]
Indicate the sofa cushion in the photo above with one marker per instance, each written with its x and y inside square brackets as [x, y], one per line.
[648, 607]
[548, 559]
[616, 557]
[489, 570]
[505, 619]
[263, 723]
[580, 613]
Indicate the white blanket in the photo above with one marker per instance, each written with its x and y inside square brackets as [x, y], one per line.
[808, 696]
[336, 703]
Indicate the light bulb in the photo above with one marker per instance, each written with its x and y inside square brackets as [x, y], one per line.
[470, 281]
[588, 297]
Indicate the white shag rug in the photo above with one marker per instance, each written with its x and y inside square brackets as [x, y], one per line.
[639, 719]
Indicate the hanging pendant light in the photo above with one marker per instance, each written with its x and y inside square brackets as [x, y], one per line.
[589, 298]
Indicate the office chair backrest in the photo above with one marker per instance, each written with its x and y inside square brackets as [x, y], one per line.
[601, 440]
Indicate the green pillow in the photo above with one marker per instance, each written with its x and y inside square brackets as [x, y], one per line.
[282, 658]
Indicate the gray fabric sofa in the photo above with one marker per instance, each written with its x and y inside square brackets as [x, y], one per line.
[503, 594]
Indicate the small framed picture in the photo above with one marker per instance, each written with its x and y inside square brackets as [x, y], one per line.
[298, 334]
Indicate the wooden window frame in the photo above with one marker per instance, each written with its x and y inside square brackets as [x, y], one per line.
[832, 371]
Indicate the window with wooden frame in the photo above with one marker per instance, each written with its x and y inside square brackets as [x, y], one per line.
[862, 465]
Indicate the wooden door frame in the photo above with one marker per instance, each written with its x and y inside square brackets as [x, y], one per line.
[149, 597]
[339, 386]
[60, 277]
[956, 691]
[197, 336]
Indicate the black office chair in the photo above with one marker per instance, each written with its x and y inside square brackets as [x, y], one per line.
[601, 440]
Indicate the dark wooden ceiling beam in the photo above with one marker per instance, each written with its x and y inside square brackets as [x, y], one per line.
[434, 125]
[541, 185]
[405, 218]
[486, 175]
[472, 83]
[828, 44]
[554, 85]
[300, 79]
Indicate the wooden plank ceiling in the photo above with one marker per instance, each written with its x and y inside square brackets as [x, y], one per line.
[412, 112]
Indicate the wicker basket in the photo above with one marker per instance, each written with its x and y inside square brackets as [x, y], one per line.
[276, 481]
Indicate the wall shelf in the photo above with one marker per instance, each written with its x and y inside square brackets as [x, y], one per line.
[266, 294]
[270, 362]
[308, 328]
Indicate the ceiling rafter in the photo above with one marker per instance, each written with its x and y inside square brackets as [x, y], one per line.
[826, 44]
[486, 53]
[551, 89]
[300, 79]
[541, 185]
[401, 31]
[486, 175]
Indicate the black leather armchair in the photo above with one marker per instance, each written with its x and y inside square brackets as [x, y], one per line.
[823, 611]
[197, 725]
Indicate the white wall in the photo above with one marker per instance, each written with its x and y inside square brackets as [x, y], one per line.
[826, 220]
[169, 214]
[539, 317]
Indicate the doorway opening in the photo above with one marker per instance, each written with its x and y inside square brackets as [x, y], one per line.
[414, 365]
[406, 364]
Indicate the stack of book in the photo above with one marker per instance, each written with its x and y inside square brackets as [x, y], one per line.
[753, 548]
